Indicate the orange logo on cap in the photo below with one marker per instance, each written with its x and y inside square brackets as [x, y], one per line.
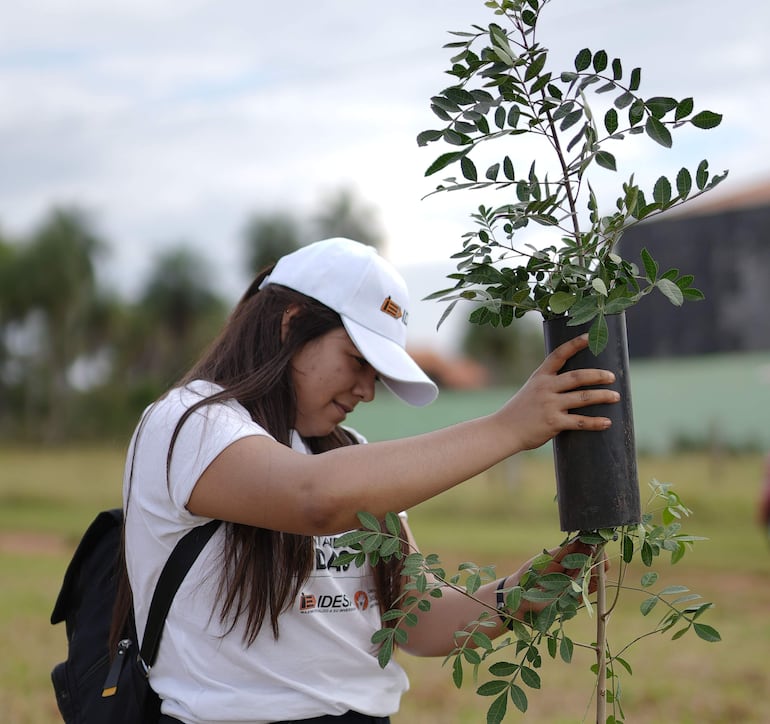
[391, 308]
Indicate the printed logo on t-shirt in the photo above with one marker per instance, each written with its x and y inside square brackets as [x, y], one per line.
[361, 600]
[337, 603]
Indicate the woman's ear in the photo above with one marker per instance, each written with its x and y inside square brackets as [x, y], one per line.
[286, 317]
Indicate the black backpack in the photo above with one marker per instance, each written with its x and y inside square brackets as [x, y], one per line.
[90, 688]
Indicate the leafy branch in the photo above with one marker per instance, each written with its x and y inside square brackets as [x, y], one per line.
[512, 662]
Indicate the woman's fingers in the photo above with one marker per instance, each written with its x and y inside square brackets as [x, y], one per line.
[589, 377]
[558, 358]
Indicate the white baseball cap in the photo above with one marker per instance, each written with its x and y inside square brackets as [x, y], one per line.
[371, 298]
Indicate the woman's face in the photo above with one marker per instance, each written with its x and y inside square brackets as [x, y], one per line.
[330, 378]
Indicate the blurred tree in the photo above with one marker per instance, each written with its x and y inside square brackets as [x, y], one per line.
[9, 311]
[345, 214]
[52, 295]
[509, 353]
[268, 237]
[177, 315]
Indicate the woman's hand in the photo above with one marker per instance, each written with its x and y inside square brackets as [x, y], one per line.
[541, 408]
[555, 565]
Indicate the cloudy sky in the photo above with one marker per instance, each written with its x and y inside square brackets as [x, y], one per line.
[176, 120]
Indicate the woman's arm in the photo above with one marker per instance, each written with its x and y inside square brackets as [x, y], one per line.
[260, 482]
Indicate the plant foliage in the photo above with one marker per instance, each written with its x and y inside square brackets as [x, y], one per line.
[508, 668]
[504, 90]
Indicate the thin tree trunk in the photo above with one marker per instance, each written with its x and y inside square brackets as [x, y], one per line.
[601, 645]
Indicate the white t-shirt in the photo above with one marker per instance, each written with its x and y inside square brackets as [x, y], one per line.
[323, 661]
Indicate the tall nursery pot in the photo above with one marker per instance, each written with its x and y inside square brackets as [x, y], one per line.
[596, 475]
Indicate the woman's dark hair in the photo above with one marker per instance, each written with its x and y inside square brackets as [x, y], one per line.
[264, 569]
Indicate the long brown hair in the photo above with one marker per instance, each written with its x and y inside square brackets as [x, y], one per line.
[264, 569]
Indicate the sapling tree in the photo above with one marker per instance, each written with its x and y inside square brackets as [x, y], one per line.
[505, 96]
[508, 667]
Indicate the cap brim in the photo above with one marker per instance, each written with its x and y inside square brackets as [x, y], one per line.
[397, 370]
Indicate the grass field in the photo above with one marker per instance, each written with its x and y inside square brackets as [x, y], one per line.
[47, 497]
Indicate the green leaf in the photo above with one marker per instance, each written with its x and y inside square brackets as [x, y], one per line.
[683, 182]
[648, 604]
[598, 335]
[583, 311]
[658, 132]
[508, 168]
[385, 653]
[369, 521]
[661, 192]
[627, 545]
[624, 664]
[492, 688]
[582, 60]
[445, 104]
[552, 643]
[427, 136]
[455, 138]
[519, 698]
[469, 169]
[390, 547]
[617, 69]
[571, 119]
[702, 174]
[457, 672]
[624, 99]
[600, 60]
[636, 112]
[503, 668]
[560, 302]
[684, 109]
[680, 633]
[530, 677]
[606, 160]
[706, 119]
[646, 554]
[618, 304]
[536, 66]
[670, 590]
[440, 112]
[500, 117]
[565, 649]
[693, 295]
[444, 160]
[707, 633]
[636, 79]
[650, 266]
[460, 96]
[610, 121]
[496, 712]
[672, 292]
[599, 286]
[659, 106]
[393, 524]
[574, 560]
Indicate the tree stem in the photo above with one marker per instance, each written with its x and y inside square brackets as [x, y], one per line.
[602, 615]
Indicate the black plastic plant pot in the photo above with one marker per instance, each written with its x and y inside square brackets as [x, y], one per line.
[596, 475]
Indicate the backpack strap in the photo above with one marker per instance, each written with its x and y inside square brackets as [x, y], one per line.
[180, 561]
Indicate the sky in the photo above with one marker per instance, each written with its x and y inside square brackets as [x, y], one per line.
[177, 120]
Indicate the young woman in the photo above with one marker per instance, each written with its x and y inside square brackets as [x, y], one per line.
[265, 628]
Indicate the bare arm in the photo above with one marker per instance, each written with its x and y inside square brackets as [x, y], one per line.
[263, 483]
